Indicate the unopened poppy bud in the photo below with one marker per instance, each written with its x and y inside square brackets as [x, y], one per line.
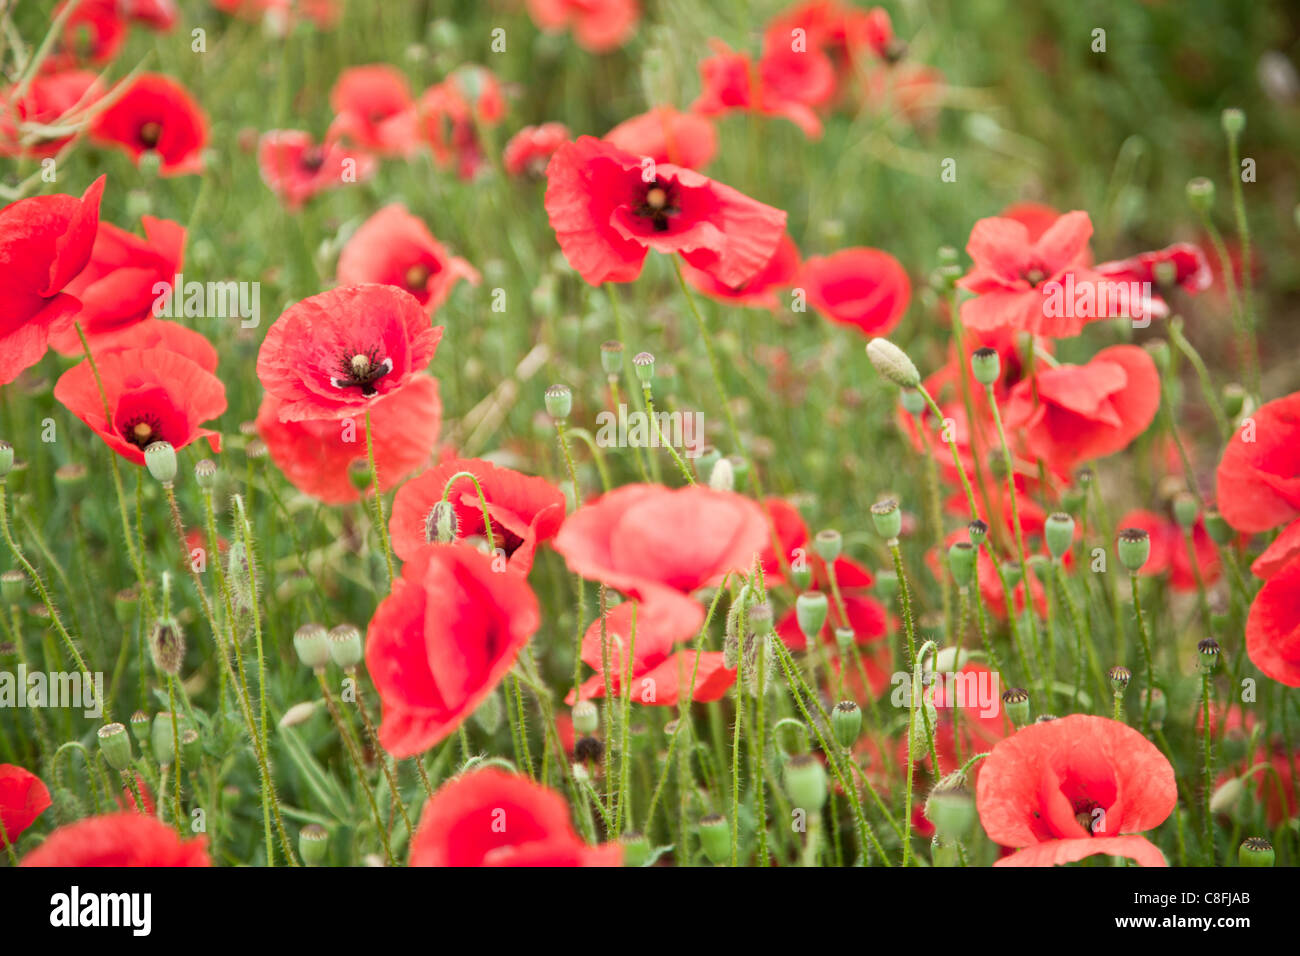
[636, 849]
[887, 518]
[160, 459]
[1119, 679]
[828, 544]
[1133, 547]
[205, 473]
[887, 583]
[191, 748]
[715, 838]
[961, 562]
[297, 714]
[1234, 399]
[6, 458]
[611, 357]
[1208, 650]
[441, 525]
[846, 723]
[643, 363]
[586, 717]
[927, 716]
[140, 726]
[893, 363]
[758, 617]
[986, 365]
[1200, 194]
[1159, 705]
[162, 739]
[12, 585]
[559, 402]
[1255, 851]
[345, 646]
[167, 646]
[1015, 702]
[1058, 530]
[810, 610]
[313, 844]
[913, 401]
[951, 808]
[1013, 572]
[723, 476]
[311, 641]
[115, 743]
[978, 531]
[1220, 531]
[1227, 795]
[805, 782]
[1233, 120]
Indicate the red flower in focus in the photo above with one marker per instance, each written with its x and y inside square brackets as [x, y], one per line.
[157, 115]
[154, 394]
[861, 287]
[394, 247]
[493, 818]
[1273, 626]
[659, 676]
[641, 538]
[1075, 413]
[119, 839]
[315, 455]
[1033, 285]
[530, 149]
[731, 81]
[523, 511]
[374, 110]
[118, 288]
[337, 353]
[760, 291]
[158, 334]
[667, 136]
[45, 242]
[609, 209]
[1074, 787]
[598, 25]
[1258, 477]
[296, 168]
[1169, 550]
[23, 798]
[442, 640]
[47, 102]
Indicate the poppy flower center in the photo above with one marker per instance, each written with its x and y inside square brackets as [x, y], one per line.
[1087, 816]
[417, 276]
[658, 204]
[313, 159]
[361, 370]
[142, 430]
[1033, 276]
[150, 133]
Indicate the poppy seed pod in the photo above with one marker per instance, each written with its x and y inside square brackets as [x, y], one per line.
[205, 473]
[1120, 676]
[643, 363]
[162, 738]
[810, 610]
[1185, 509]
[846, 723]
[1013, 572]
[311, 641]
[115, 743]
[160, 459]
[1134, 548]
[1200, 194]
[978, 531]
[887, 518]
[611, 357]
[961, 562]
[893, 363]
[1233, 120]
[1234, 399]
[1255, 851]
[1015, 701]
[313, 844]
[360, 475]
[140, 726]
[986, 365]
[801, 575]
[1058, 531]
[6, 458]
[913, 402]
[345, 646]
[586, 717]
[1208, 650]
[559, 402]
[828, 544]
[805, 782]
[715, 838]
[191, 748]
[951, 808]
[1220, 531]
[707, 458]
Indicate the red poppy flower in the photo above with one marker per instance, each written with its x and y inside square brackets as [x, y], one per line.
[493, 818]
[1075, 413]
[731, 81]
[442, 641]
[44, 242]
[1273, 626]
[1259, 474]
[156, 114]
[843, 32]
[296, 168]
[48, 101]
[1038, 286]
[667, 136]
[523, 511]
[975, 692]
[760, 291]
[119, 839]
[92, 34]
[609, 209]
[396, 248]
[1284, 549]
[861, 287]
[643, 538]
[315, 454]
[1169, 550]
[659, 676]
[598, 25]
[1182, 264]
[159, 15]
[23, 798]
[451, 113]
[158, 334]
[1073, 787]
[154, 394]
[336, 353]
[118, 288]
[374, 110]
[796, 76]
[1036, 217]
[530, 149]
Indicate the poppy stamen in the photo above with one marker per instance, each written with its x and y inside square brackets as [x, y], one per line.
[361, 370]
[150, 133]
[313, 159]
[142, 431]
[658, 205]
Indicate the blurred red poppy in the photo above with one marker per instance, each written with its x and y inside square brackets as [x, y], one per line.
[452, 113]
[156, 115]
[760, 291]
[1273, 626]
[119, 839]
[296, 168]
[92, 35]
[1258, 477]
[374, 110]
[530, 150]
[667, 136]
[732, 81]
[864, 288]
[598, 25]
[23, 798]
[48, 101]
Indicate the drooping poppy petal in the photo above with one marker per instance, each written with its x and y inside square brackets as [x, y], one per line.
[1273, 626]
[1258, 478]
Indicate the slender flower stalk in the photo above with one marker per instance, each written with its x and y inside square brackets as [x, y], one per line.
[380, 520]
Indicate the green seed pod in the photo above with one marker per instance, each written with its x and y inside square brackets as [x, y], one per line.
[1059, 533]
[961, 562]
[887, 518]
[805, 782]
[345, 646]
[1120, 676]
[978, 531]
[586, 717]
[1255, 851]
[160, 459]
[360, 475]
[1039, 564]
[1015, 702]
[715, 838]
[161, 738]
[1200, 194]
[313, 844]
[811, 609]
[1233, 120]
[205, 473]
[913, 401]
[1134, 548]
[1219, 530]
[311, 641]
[828, 544]
[893, 363]
[115, 743]
[559, 402]
[611, 357]
[844, 640]
[1185, 509]
[643, 363]
[1234, 399]
[140, 726]
[1208, 650]
[846, 723]
[1014, 573]
[801, 575]
[13, 584]
[6, 458]
[951, 808]
[167, 646]
[986, 365]
[70, 475]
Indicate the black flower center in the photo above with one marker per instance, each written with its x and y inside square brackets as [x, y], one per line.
[658, 204]
[150, 133]
[313, 159]
[142, 430]
[361, 370]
